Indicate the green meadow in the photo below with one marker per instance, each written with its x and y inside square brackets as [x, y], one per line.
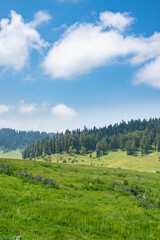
[117, 159]
[14, 154]
[114, 159]
[90, 202]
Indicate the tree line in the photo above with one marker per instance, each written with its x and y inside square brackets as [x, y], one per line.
[11, 139]
[143, 135]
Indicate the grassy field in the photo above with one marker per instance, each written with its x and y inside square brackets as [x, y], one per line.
[16, 154]
[85, 202]
[117, 159]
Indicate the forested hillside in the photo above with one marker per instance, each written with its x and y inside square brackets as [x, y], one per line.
[132, 136]
[12, 139]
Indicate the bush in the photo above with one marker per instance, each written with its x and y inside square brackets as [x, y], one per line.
[74, 160]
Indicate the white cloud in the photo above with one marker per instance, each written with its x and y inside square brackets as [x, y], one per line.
[81, 48]
[40, 17]
[63, 112]
[85, 46]
[149, 74]
[17, 39]
[27, 109]
[116, 20]
[4, 109]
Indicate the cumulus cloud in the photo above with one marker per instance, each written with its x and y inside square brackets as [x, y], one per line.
[27, 109]
[17, 39]
[63, 112]
[85, 46]
[116, 20]
[4, 109]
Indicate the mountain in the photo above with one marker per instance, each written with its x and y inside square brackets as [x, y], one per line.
[11, 139]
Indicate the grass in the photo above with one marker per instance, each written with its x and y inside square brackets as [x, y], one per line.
[16, 154]
[117, 159]
[91, 203]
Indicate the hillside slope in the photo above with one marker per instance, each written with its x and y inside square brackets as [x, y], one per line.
[134, 136]
[90, 202]
[114, 159]
[14, 154]
[11, 139]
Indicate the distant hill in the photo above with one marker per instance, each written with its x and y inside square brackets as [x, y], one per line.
[11, 139]
[132, 136]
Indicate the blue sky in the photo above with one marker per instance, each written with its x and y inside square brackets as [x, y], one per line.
[67, 63]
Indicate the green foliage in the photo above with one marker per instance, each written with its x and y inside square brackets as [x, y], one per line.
[101, 147]
[131, 147]
[131, 137]
[74, 151]
[83, 150]
[70, 150]
[12, 139]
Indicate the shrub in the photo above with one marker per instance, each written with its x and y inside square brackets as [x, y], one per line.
[74, 160]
